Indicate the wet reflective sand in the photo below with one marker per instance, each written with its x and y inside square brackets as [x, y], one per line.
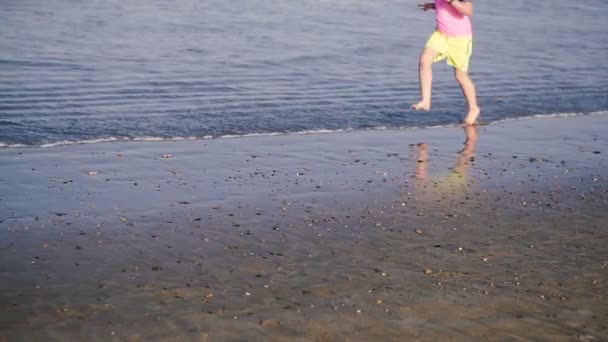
[490, 233]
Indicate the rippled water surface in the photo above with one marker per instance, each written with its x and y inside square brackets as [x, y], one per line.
[87, 70]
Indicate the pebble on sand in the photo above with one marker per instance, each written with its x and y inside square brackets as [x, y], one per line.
[428, 271]
[270, 323]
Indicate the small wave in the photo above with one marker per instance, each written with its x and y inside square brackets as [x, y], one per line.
[303, 132]
[5, 145]
[9, 123]
[549, 116]
[206, 137]
[159, 139]
[113, 139]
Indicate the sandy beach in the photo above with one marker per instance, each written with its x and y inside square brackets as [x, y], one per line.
[493, 233]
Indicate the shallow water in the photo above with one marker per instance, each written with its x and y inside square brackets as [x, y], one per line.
[87, 70]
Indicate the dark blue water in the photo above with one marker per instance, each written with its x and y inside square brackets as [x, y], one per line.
[75, 70]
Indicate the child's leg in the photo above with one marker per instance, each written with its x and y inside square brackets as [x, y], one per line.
[425, 74]
[468, 90]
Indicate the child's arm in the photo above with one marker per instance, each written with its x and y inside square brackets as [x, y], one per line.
[464, 7]
[427, 6]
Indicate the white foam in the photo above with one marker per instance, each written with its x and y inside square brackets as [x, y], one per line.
[4, 145]
[549, 116]
[109, 139]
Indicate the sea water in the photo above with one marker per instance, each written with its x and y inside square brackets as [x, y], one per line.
[85, 71]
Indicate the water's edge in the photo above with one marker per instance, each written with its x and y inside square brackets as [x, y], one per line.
[4, 146]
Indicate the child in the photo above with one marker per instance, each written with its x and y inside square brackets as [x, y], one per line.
[453, 40]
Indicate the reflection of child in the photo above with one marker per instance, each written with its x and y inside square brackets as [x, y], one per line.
[453, 41]
[458, 177]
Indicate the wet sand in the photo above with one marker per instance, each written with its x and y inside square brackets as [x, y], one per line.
[497, 233]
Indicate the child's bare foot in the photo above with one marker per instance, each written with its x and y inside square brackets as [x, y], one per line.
[472, 116]
[422, 105]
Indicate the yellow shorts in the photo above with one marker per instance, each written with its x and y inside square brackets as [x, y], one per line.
[456, 50]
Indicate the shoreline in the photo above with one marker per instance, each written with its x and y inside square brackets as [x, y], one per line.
[4, 146]
[367, 235]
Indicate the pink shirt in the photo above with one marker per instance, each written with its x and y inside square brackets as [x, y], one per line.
[450, 22]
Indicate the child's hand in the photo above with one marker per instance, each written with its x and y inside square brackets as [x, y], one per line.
[427, 6]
